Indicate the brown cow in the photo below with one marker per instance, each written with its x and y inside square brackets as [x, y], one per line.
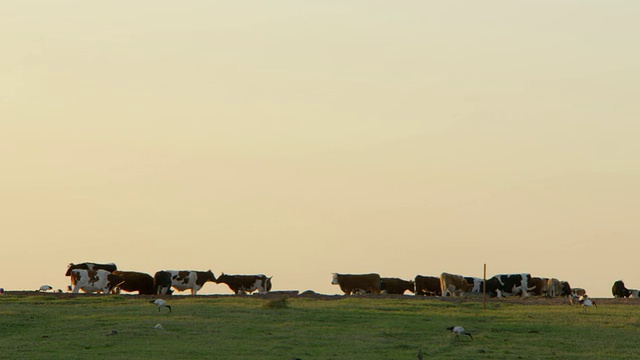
[456, 285]
[395, 285]
[136, 281]
[428, 285]
[354, 283]
[539, 286]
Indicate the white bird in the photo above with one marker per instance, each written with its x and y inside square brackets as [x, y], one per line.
[160, 303]
[45, 288]
[586, 302]
[459, 330]
[158, 327]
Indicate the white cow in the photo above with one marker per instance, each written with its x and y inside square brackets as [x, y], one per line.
[182, 280]
[91, 281]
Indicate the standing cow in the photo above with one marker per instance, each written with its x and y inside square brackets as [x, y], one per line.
[455, 285]
[182, 280]
[396, 286]
[91, 281]
[110, 267]
[241, 284]
[357, 282]
[136, 281]
[427, 285]
[509, 284]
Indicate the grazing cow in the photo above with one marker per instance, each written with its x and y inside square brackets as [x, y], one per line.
[475, 284]
[539, 286]
[554, 287]
[509, 284]
[45, 288]
[428, 285]
[566, 288]
[453, 284]
[241, 284]
[634, 294]
[396, 286]
[111, 267]
[91, 281]
[619, 290]
[136, 281]
[182, 280]
[353, 283]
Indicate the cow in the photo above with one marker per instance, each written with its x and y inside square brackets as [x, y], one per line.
[566, 288]
[111, 267]
[91, 281]
[427, 285]
[475, 284]
[453, 284]
[634, 293]
[162, 282]
[241, 284]
[509, 284]
[182, 280]
[353, 283]
[554, 287]
[619, 290]
[396, 286]
[136, 281]
[539, 286]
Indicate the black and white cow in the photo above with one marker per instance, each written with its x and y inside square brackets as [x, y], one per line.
[509, 284]
[475, 283]
[241, 284]
[110, 267]
[91, 281]
[181, 280]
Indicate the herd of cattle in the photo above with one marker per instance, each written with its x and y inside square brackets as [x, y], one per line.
[457, 285]
[106, 278]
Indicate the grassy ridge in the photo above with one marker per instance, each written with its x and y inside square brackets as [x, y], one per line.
[48, 327]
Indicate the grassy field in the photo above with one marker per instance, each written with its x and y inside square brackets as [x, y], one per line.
[49, 326]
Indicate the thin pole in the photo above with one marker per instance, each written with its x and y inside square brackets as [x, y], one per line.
[484, 288]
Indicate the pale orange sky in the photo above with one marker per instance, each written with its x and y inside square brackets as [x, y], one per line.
[301, 138]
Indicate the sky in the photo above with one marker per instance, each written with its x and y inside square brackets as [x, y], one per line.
[301, 138]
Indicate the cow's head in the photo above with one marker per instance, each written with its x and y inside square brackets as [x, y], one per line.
[335, 279]
[69, 268]
[221, 278]
[208, 276]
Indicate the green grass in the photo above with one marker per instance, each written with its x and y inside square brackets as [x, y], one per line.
[47, 327]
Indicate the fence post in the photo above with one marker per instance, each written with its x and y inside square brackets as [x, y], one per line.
[484, 288]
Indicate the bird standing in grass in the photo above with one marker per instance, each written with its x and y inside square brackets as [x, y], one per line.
[160, 303]
[459, 330]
